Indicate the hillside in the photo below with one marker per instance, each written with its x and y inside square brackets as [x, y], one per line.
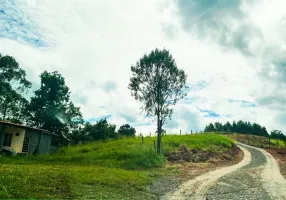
[112, 169]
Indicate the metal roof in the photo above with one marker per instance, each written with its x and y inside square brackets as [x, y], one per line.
[23, 126]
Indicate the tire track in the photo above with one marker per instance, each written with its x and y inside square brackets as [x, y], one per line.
[196, 188]
[257, 176]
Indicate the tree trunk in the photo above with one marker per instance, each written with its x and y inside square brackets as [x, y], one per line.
[159, 136]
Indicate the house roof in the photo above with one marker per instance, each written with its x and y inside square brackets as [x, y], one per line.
[23, 126]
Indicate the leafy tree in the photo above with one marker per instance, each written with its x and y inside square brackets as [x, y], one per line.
[78, 135]
[13, 85]
[218, 127]
[158, 83]
[228, 127]
[127, 130]
[234, 127]
[51, 109]
[102, 130]
[209, 128]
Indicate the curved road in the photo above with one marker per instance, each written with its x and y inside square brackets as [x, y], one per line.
[257, 176]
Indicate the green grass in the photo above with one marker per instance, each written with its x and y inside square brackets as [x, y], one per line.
[281, 143]
[257, 141]
[117, 169]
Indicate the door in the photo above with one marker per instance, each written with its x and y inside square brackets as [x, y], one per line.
[26, 145]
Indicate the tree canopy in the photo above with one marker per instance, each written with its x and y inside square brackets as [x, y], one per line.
[13, 84]
[158, 84]
[127, 130]
[51, 109]
[238, 127]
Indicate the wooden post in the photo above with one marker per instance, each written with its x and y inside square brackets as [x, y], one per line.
[150, 134]
[142, 139]
[180, 132]
[155, 145]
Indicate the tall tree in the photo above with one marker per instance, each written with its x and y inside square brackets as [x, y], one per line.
[100, 131]
[51, 108]
[126, 130]
[228, 126]
[218, 126]
[158, 83]
[13, 85]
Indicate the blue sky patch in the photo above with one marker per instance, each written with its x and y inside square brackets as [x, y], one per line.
[243, 103]
[15, 24]
[210, 113]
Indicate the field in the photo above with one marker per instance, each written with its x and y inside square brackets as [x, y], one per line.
[116, 169]
[258, 141]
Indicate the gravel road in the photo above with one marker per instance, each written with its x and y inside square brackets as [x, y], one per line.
[257, 176]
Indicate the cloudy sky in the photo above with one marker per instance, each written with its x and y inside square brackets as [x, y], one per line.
[234, 52]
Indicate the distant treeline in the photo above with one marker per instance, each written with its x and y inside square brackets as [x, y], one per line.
[244, 127]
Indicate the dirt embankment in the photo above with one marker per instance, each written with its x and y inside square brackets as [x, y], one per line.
[192, 163]
[185, 154]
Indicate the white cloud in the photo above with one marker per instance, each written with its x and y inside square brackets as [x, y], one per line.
[94, 43]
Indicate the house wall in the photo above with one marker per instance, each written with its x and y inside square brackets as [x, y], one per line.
[17, 141]
[45, 144]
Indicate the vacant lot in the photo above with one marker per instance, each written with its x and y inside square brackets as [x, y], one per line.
[113, 169]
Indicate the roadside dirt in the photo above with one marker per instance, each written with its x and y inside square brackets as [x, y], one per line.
[190, 170]
[280, 157]
[257, 176]
[196, 187]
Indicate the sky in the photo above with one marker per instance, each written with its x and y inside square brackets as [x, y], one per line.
[234, 53]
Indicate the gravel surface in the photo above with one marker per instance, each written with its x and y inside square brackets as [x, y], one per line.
[245, 183]
[257, 176]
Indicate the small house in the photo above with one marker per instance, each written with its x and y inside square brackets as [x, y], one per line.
[24, 140]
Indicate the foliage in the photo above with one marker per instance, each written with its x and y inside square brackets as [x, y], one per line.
[51, 108]
[276, 134]
[158, 83]
[114, 169]
[102, 130]
[13, 84]
[238, 127]
[127, 130]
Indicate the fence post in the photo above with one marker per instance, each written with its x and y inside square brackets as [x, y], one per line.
[154, 144]
[142, 139]
[180, 132]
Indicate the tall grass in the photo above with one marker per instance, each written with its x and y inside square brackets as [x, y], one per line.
[114, 169]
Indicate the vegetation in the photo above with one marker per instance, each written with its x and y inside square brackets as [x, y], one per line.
[158, 83]
[118, 168]
[51, 108]
[238, 127]
[258, 141]
[13, 84]
[127, 130]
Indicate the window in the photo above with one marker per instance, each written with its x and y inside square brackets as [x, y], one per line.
[7, 139]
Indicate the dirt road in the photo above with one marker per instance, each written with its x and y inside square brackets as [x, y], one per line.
[257, 176]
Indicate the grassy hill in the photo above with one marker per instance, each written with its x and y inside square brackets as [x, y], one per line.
[258, 141]
[116, 169]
